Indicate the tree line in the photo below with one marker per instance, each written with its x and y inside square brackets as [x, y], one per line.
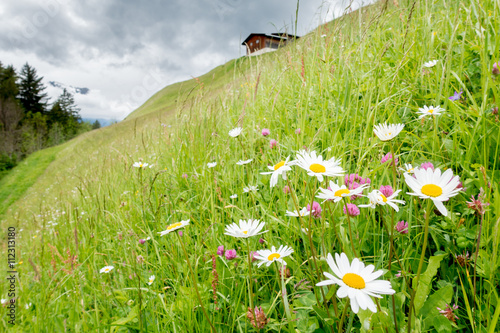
[28, 121]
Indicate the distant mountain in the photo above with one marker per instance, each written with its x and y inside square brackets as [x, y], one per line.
[71, 89]
[103, 122]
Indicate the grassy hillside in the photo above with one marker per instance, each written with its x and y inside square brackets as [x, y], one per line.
[90, 208]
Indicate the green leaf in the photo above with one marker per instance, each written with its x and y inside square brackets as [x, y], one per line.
[322, 314]
[122, 321]
[424, 284]
[439, 299]
[441, 324]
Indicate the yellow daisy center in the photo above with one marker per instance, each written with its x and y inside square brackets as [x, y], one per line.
[354, 281]
[384, 198]
[279, 165]
[317, 168]
[339, 193]
[245, 232]
[432, 190]
[273, 256]
[175, 225]
[106, 270]
[431, 110]
[410, 170]
[140, 165]
[390, 133]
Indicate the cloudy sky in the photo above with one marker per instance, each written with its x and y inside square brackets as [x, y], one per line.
[125, 50]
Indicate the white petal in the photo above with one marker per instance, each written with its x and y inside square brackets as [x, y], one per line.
[440, 207]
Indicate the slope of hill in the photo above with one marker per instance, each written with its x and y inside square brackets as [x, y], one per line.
[99, 245]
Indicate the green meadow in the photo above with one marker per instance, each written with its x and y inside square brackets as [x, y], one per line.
[102, 242]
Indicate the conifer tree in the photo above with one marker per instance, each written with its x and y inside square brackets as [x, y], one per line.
[96, 124]
[31, 88]
[10, 111]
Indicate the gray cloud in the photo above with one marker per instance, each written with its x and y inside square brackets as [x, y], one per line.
[111, 46]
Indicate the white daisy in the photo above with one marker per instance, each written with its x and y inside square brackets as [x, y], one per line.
[174, 226]
[430, 111]
[303, 212]
[269, 256]
[234, 196]
[241, 162]
[3, 301]
[430, 64]
[141, 165]
[106, 269]
[245, 229]
[250, 188]
[211, 165]
[378, 198]
[408, 169]
[431, 184]
[356, 281]
[27, 306]
[278, 169]
[336, 193]
[387, 132]
[151, 279]
[316, 167]
[235, 132]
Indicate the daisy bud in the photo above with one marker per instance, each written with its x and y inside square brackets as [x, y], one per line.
[273, 143]
[220, 250]
[463, 259]
[427, 165]
[297, 131]
[352, 210]
[402, 227]
[184, 175]
[495, 69]
[386, 190]
[286, 189]
[230, 254]
[142, 241]
[261, 240]
[265, 132]
[180, 233]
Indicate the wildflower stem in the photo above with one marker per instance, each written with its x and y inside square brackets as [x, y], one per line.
[475, 261]
[195, 284]
[344, 312]
[250, 291]
[350, 231]
[420, 264]
[390, 262]
[335, 228]
[391, 230]
[242, 147]
[281, 271]
[313, 251]
[351, 319]
[334, 301]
